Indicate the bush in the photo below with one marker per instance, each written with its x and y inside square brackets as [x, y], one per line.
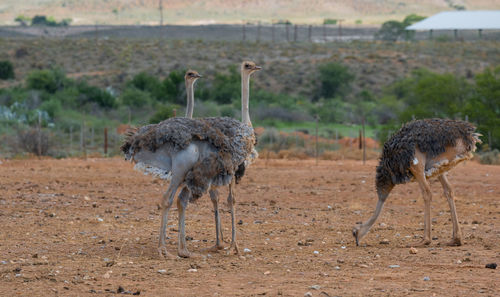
[148, 83]
[174, 87]
[226, 88]
[6, 70]
[135, 98]
[46, 80]
[490, 157]
[163, 113]
[30, 139]
[394, 30]
[335, 80]
[329, 21]
[94, 94]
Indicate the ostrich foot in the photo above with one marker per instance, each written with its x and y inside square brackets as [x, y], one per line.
[455, 242]
[234, 246]
[187, 254]
[422, 243]
[163, 253]
[214, 249]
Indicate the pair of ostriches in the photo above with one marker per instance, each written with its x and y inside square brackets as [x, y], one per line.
[200, 155]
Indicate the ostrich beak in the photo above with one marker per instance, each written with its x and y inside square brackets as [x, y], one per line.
[198, 75]
[257, 68]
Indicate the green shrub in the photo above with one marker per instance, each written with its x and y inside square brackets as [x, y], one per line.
[335, 80]
[135, 98]
[148, 83]
[394, 30]
[52, 106]
[329, 21]
[94, 94]
[6, 70]
[226, 88]
[46, 80]
[163, 113]
[174, 87]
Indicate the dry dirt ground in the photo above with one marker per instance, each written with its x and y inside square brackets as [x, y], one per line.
[90, 228]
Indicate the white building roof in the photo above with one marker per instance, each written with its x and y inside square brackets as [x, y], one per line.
[460, 20]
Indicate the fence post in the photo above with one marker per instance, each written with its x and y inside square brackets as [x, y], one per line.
[70, 138]
[82, 140]
[364, 142]
[244, 32]
[105, 141]
[324, 32]
[287, 32]
[39, 134]
[309, 33]
[258, 32]
[272, 30]
[316, 139]
[295, 33]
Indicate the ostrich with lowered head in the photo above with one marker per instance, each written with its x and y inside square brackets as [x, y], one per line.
[421, 150]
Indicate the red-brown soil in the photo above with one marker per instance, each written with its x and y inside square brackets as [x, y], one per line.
[87, 227]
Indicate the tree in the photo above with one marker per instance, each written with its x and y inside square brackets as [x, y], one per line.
[6, 70]
[335, 80]
[395, 30]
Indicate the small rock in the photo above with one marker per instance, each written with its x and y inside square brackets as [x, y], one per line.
[337, 267]
[393, 266]
[459, 261]
[315, 287]
[308, 294]
[86, 198]
[192, 270]
[426, 278]
[267, 272]
[316, 252]
[413, 251]
[384, 241]
[383, 225]
[245, 250]
[257, 222]
[329, 207]
[162, 271]
[107, 274]
[491, 265]
[100, 220]
[240, 222]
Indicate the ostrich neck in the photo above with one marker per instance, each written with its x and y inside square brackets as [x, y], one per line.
[245, 94]
[190, 100]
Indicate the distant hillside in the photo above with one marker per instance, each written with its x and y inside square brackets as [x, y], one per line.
[230, 11]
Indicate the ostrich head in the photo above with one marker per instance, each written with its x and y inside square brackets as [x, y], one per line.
[249, 67]
[191, 76]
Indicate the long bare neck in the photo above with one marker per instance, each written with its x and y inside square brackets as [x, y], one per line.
[245, 94]
[190, 100]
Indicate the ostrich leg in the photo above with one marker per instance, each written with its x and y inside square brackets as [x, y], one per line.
[448, 192]
[231, 202]
[182, 203]
[218, 232]
[166, 204]
[418, 172]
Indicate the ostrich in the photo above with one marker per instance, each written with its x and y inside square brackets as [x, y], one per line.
[196, 153]
[421, 150]
[247, 69]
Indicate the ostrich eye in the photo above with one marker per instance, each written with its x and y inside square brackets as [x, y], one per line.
[247, 65]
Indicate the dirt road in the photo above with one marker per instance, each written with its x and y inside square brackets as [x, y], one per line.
[90, 228]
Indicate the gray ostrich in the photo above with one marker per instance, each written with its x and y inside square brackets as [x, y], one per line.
[421, 150]
[196, 153]
[247, 69]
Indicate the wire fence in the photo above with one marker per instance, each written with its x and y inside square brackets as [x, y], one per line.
[247, 32]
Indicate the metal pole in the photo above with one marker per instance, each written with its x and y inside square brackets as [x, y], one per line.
[272, 26]
[324, 32]
[161, 12]
[295, 33]
[244, 32]
[287, 33]
[309, 33]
